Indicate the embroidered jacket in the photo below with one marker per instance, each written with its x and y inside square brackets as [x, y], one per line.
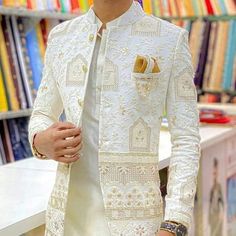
[131, 111]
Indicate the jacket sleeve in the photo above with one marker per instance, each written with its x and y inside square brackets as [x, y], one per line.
[183, 120]
[48, 105]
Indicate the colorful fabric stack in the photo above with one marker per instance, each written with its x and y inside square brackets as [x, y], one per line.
[189, 8]
[22, 44]
[214, 54]
[72, 6]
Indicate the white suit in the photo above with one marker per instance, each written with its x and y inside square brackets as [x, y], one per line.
[131, 110]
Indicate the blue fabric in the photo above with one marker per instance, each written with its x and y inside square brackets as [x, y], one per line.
[230, 57]
[36, 63]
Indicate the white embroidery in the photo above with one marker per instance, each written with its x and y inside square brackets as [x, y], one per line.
[148, 26]
[139, 136]
[110, 79]
[185, 88]
[76, 71]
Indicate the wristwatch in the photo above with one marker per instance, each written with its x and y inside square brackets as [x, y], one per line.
[173, 227]
[36, 153]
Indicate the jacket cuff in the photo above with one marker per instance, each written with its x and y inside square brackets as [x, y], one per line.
[181, 214]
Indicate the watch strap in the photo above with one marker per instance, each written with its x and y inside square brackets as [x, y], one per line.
[174, 227]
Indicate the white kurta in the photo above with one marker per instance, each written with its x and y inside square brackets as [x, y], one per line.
[85, 210]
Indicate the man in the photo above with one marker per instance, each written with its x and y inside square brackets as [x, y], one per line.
[113, 71]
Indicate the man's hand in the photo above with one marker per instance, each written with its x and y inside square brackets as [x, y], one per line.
[164, 233]
[60, 142]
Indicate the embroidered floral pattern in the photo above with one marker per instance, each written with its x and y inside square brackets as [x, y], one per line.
[76, 71]
[139, 136]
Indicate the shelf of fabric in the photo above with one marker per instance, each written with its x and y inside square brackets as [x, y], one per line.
[231, 93]
[37, 14]
[209, 18]
[15, 114]
[67, 16]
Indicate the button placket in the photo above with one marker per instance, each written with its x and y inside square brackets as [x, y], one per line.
[100, 67]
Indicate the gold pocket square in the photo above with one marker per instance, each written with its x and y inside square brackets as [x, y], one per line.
[144, 71]
[145, 64]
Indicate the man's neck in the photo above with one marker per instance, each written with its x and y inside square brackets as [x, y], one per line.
[108, 10]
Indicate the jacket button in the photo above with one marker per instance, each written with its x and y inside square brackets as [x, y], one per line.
[84, 68]
[91, 37]
[81, 103]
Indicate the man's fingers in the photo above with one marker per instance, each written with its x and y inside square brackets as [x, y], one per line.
[71, 142]
[67, 133]
[68, 159]
[64, 125]
[70, 151]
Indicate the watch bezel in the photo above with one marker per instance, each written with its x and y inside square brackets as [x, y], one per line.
[180, 230]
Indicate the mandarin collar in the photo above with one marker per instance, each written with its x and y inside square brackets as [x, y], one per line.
[133, 14]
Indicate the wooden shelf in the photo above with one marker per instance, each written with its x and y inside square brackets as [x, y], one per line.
[15, 114]
[36, 13]
[229, 92]
[210, 18]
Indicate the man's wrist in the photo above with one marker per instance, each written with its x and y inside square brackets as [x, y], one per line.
[166, 232]
[35, 151]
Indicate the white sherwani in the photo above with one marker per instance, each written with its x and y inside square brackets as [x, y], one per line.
[124, 190]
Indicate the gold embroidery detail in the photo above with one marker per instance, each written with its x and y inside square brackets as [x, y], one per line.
[110, 75]
[76, 71]
[135, 192]
[146, 27]
[129, 172]
[143, 87]
[185, 88]
[134, 214]
[135, 157]
[139, 136]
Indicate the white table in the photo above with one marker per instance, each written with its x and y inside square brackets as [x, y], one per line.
[25, 188]
[26, 185]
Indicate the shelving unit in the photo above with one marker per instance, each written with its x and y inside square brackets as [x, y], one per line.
[67, 16]
[210, 18]
[15, 114]
[24, 12]
[229, 92]
[37, 14]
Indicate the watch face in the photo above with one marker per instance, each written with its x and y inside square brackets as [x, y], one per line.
[181, 231]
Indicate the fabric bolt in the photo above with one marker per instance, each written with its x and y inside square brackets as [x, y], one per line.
[202, 55]
[228, 80]
[210, 55]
